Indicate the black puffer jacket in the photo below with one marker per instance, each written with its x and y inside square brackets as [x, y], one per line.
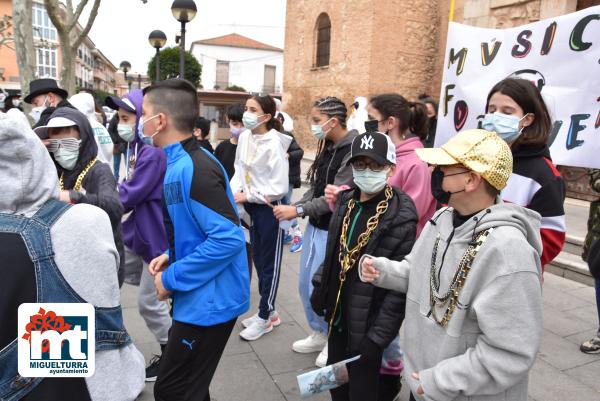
[295, 154]
[372, 312]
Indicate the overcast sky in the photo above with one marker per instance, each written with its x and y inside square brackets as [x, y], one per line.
[122, 27]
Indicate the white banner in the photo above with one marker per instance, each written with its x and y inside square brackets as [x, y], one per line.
[560, 55]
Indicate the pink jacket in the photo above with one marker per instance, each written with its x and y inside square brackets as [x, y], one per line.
[413, 177]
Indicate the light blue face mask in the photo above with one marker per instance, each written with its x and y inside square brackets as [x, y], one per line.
[66, 158]
[317, 130]
[250, 120]
[148, 140]
[125, 131]
[506, 126]
[369, 181]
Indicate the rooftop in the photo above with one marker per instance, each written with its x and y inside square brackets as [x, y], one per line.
[236, 40]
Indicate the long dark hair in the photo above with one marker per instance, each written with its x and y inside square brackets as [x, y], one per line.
[267, 104]
[412, 115]
[529, 98]
[332, 107]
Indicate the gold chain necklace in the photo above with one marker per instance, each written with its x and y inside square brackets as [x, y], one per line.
[458, 281]
[347, 257]
[80, 177]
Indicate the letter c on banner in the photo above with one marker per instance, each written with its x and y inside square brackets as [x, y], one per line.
[576, 41]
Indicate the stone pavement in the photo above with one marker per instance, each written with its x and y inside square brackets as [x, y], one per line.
[266, 369]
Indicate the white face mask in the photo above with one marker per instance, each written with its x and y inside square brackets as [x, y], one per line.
[250, 120]
[148, 140]
[16, 103]
[36, 112]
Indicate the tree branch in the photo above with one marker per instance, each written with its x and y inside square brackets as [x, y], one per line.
[88, 26]
[53, 9]
[77, 14]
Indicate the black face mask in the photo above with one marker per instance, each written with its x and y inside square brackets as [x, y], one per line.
[437, 178]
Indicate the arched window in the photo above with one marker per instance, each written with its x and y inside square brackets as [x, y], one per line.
[323, 34]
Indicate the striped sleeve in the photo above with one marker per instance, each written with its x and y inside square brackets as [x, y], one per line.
[547, 198]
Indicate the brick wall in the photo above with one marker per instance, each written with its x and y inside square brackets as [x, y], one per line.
[396, 46]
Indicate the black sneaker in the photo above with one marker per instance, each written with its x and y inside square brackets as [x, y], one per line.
[152, 369]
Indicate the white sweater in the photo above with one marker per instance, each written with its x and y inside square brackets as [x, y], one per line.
[261, 166]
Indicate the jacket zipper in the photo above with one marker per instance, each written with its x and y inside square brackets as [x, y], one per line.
[329, 166]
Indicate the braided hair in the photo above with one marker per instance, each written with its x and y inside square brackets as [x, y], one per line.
[332, 107]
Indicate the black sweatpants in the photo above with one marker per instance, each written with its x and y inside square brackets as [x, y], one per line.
[190, 360]
[364, 377]
[267, 246]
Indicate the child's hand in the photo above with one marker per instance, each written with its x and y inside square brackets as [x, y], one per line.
[239, 197]
[368, 272]
[158, 264]
[331, 193]
[161, 293]
[416, 376]
[285, 212]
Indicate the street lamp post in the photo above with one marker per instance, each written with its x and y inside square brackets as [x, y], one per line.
[126, 67]
[184, 11]
[157, 40]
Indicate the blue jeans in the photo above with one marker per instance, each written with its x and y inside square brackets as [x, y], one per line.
[116, 165]
[313, 255]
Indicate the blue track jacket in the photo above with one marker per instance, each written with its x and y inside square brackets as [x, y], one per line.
[208, 270]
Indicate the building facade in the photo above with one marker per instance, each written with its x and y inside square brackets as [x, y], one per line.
[235, 60]
[92, 69]
[349, 49]
[84, 65]
[105, 73]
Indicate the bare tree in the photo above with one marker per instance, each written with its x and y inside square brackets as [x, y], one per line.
[23, 38]
[6, 36]
[64, 18]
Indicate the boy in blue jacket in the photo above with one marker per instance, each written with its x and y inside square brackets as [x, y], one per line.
[205, 270]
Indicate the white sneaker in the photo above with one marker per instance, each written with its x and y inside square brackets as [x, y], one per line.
[322, 358]
[274, 316]
[257, 330]
[313, 343]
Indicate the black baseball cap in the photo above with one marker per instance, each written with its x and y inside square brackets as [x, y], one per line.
[374, 145]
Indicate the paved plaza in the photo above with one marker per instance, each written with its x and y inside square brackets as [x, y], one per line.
[266, 369]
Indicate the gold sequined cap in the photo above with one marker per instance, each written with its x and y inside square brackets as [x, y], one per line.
[479, 150]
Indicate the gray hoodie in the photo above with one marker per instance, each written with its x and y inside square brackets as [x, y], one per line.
[83, 244]
[491, 341]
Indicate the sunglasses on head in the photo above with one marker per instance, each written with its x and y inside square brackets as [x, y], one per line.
[66, 143]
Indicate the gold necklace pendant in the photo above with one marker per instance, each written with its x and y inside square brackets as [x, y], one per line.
[347, 257]
[80, 177]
